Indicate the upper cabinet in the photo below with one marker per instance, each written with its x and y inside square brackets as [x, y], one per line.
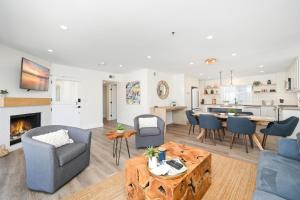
[293, 77]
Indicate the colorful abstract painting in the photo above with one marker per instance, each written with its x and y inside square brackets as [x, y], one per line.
[133, 92]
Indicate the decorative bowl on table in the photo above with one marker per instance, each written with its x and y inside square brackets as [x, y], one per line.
[165, 171]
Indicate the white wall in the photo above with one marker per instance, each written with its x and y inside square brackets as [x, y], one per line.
[90, 91]
[276, 78]
[10, 68]
[126, 112]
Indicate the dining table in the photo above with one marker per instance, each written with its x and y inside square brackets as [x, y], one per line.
[259, 120]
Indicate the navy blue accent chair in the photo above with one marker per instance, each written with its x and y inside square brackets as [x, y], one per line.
[281, 128]
[242, 126]
[193, 120]
[211, 124]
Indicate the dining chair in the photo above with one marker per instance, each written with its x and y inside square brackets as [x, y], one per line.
[211, 124]
[242, 126]
[193, 120]
[280, 128]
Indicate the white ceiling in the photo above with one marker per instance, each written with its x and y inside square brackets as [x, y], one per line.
[261, 32]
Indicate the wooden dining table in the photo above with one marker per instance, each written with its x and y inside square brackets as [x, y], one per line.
[259, 120]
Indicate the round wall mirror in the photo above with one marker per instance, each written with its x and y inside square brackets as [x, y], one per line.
[162, 89]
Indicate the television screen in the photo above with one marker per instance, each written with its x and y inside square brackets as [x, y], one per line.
[34, 76]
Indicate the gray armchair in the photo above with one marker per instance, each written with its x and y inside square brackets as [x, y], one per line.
[48, 168]
[146, 137]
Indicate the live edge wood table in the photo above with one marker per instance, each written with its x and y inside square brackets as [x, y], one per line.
[140, 184]
[113, 135]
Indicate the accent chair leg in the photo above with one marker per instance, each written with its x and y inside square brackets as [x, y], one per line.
[251, 141]
[193, 129]
[245, 142]
[190, 129]
[232, 140]
[213, 137]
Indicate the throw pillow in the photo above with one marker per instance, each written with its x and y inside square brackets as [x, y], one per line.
[148, 122]
[57, 138]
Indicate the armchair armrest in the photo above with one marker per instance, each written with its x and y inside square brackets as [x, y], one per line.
[279, 129]
[288, 148]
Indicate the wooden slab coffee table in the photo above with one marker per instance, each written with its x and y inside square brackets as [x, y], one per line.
[113, 135]
[140, 184]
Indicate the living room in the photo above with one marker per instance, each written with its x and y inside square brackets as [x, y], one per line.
[149, 100]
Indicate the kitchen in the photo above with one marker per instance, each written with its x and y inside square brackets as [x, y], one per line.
[273, 95]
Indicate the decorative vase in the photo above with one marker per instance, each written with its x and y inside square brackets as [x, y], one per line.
[120, 131]
[152, 162]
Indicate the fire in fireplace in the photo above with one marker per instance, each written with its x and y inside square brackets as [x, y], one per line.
[19, 124]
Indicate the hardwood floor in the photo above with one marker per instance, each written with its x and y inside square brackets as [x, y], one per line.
[102, 165]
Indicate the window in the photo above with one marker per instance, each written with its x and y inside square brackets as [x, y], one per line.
[240, 93]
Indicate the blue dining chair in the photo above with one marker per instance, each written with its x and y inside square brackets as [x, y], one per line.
[242, 126]
[280, 128]
[211, 124]
[193, 121]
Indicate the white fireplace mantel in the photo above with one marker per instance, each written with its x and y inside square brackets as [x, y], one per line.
[6, 112]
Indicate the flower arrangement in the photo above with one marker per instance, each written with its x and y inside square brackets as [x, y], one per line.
[151, 152]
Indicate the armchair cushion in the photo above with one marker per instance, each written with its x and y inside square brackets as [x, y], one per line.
[149, 131]
[147, 122]
[68, 152]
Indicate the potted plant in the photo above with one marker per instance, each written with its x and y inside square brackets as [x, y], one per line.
[120, 128]
[152, 154]
[3, 93]
[231, 111]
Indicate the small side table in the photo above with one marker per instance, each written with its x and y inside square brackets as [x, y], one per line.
[113, 135]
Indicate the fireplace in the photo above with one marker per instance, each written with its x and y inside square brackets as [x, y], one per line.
[19, 124]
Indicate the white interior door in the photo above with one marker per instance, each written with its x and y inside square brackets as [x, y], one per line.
[66, 103]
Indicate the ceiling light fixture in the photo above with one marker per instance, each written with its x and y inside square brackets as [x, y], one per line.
[191, 63]
[209, 61]
[209, 37]
[261, 66]
[50, 50]
[63, 27]
[261, 71]
[102, 63]
[234, 54]
[201, 74]
[121, 66]
[149, 57]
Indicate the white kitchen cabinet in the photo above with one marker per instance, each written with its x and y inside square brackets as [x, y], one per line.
[268, 111]
[254, 109]
[286, 113]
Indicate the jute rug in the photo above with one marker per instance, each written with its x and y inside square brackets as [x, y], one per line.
[231, 179]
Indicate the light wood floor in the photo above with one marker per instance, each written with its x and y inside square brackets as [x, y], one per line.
[12, 168]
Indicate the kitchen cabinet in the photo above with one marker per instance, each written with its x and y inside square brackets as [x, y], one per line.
[254, 109]
[268, 111]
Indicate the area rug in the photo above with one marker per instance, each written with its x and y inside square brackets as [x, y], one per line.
[231, 179]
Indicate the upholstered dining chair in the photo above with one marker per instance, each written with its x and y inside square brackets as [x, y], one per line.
[211, 124]
[281, 128]
[242, 126]
[193, 120]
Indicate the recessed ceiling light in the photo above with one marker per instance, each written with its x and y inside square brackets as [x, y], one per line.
[120, 65]
[63, 27]
[191, 63]
[102, 63]
[209, 37]
[234, 54]
[50, 50]
[149, 57]
[201, 74]
[209, 61]
[261, 66]
[261, 71]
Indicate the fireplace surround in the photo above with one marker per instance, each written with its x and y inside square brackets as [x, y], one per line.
[19, 124]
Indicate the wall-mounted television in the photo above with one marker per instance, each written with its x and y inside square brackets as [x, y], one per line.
[34, 76]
